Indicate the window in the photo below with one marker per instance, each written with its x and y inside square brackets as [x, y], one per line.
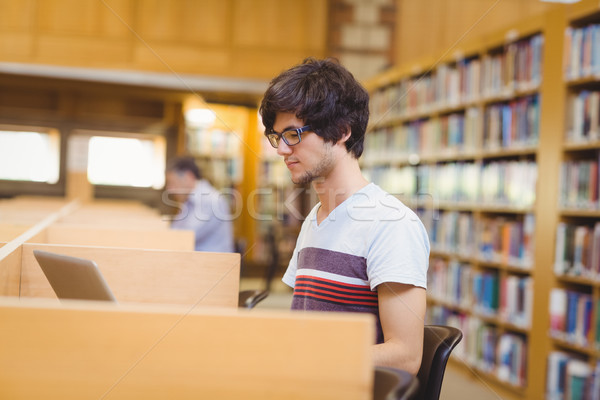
[30, 155]
[127, 161]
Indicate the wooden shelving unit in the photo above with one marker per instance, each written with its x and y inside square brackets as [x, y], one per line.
[397, 149]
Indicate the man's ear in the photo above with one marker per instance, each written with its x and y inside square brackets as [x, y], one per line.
[345, 136]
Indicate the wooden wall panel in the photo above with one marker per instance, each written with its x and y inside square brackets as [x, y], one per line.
[116, 18]
[18, 46]
[203, 22]
[432, 28]
[16, 15]
[231, 38]
[68, 16]
[286, 24]
[181, 58]
[92, 52]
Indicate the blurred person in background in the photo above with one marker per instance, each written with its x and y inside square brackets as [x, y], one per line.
[202, 208]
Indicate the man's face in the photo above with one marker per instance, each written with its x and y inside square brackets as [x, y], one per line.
[308, 160]
[179, 185]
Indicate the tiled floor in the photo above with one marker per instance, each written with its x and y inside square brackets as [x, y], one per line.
[456, 385]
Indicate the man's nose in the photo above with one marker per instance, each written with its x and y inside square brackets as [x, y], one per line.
[283, 148]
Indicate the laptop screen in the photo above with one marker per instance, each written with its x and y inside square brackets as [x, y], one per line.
[74, 277]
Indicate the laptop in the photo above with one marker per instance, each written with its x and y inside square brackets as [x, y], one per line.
[74, 277]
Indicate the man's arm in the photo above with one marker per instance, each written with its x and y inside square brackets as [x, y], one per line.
[402, 314]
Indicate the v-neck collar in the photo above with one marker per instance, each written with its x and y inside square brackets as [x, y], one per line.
[343, 205]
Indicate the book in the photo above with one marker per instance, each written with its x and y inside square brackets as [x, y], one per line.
[577, 375]
[511, 365]
[556, 375]
[558, 311]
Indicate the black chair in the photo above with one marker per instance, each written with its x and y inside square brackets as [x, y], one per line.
[438, 343]
[247, 298]
[394, 384]
[250, 298]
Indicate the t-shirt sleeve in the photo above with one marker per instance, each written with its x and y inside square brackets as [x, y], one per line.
[399, 252]
[289, 278]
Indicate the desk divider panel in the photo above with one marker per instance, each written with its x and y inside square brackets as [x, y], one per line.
[152, 238]
[75, 351]
[116, 215]
[10, 272]
[30, 209]
[146, 276]
[11, 230]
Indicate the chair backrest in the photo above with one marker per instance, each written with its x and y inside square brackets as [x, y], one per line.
[394, 384]
[250, 298]
[438, 343]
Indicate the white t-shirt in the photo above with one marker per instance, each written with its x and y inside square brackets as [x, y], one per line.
[369, 239]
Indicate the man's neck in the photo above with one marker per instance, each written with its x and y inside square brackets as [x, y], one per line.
[345, 180]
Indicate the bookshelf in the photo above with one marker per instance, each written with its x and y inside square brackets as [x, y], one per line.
[215, 135]
[574, 298]
[475, 142]
[458, 142]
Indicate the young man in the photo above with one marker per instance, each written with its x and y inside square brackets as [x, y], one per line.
[202, 207]
[360, 249]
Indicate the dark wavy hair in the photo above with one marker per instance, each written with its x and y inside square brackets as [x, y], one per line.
[185, 163]
[324, 95]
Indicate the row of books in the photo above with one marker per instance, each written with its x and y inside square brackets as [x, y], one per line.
[485, 347]
[517, 68]
[451, 232]
[457, 182]
[583, 117]
[400, 181]
[582, 51]
[496, 75]
[579, 184]
[509, 184]
[213, 142]
[571, 316]
[277, 203]
[505, 125]
[440, 136]
[512, 125]
[571, 378]
[489, 239]
[498, 183]
[222, 172]
[577, 251]
[509, 298]
[274, 173]
[508, 241]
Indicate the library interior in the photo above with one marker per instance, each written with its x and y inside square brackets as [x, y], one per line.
[484, 123]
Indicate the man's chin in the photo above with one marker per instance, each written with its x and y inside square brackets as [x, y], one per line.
[304, 179]
[300, 181]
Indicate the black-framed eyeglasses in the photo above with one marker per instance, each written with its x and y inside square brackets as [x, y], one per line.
[291, 137]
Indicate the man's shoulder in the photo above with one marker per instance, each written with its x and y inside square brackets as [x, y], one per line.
[373, 200]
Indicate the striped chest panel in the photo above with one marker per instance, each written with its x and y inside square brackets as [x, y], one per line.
[333, 292]
[332, 281]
